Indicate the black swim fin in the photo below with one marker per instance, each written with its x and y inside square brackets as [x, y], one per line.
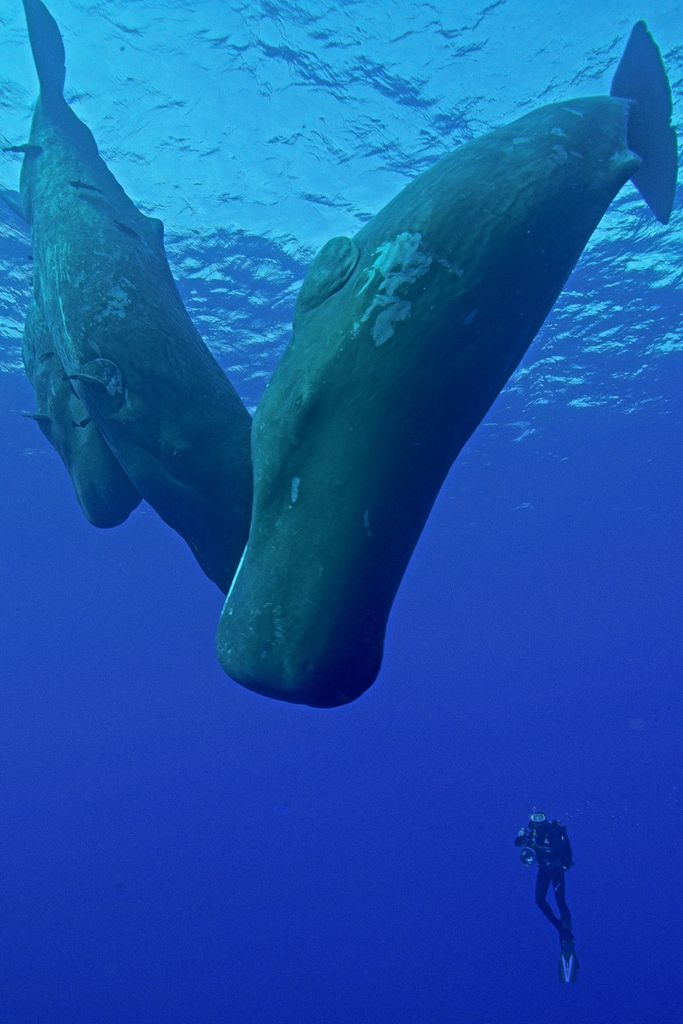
[641, 77]
[569, 963]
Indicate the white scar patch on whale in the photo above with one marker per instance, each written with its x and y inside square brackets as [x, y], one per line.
[398, 263]
[118, 301]
[559, 154]
[61, 313]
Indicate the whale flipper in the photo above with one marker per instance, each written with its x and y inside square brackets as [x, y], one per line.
[329, 272]
[641, 77]
[104, 383]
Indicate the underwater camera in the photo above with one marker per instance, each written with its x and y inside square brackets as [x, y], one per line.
[528, 856]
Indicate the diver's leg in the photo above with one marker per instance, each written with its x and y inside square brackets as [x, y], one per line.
[565, 925]
[543, 880]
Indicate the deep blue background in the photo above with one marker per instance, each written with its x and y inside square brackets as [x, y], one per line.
[177, 850]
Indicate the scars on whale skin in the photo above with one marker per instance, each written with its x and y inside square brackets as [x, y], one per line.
[403, 337]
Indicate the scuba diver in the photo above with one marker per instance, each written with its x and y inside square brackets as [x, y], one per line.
[546, 844]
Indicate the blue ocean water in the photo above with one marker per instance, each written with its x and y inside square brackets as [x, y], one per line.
[177, 849]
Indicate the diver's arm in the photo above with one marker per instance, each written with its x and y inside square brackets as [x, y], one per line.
[521, 837]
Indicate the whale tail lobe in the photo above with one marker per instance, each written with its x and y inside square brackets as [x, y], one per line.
[48, 50]
[641, 78]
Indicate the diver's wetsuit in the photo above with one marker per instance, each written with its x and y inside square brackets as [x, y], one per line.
[550, 844]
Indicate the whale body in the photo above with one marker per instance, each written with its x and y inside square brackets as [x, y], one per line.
[403, 337]
[104, 289]
[103, 490]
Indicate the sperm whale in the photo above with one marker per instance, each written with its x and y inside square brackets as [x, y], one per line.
[105, 292]
[403, 337]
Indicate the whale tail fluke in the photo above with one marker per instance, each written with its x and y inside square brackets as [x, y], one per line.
[48, 50]
[641, 77]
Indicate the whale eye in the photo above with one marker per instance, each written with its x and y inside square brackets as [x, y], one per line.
[329, 272]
